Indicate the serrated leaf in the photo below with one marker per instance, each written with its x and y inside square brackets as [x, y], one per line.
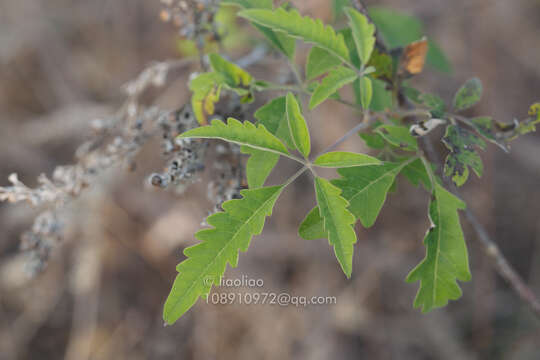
[363, 33]
[341, 159]
[462, 155]
[337, 222]
[399, 136]
[259, 166]
[468, 95]
[273, 116]
[320, 61]
[232, 232]
[304, 28]
[233, 74]
[239, 133]
[366, 92]
[312, 227]
[335, 80]
[365, 188]
[446, 258]
[297, 126]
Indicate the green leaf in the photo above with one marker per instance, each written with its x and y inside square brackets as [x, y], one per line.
[382, 97]
[435, 104]
[320, 61]
[363, 33]
[305, 28]
[337, 221]
[398, 136]
[366, 187]
[281, 41]
[239, 133]
[374, 141]
[366, 92]
[416, 173]
[206, 262]
[312, 227]
[468, 95]
[336, 79]
[341, 159]
[396, 28]
[461, 143]
[233, 74]
[273, 116]
[338, 6]
[259, 166]
[297, 126]
[446, 258]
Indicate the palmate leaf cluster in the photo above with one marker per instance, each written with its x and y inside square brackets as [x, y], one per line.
[348, 57]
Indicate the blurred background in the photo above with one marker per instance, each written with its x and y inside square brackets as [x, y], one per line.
[63, 63]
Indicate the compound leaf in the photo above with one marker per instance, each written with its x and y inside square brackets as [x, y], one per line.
[335, 80]
[232, 232]
[341, 159]
[297, 126]
[239, 133]
[337, 222]
[363, 32]
[446, 258]
[365, 188]
[302, 27]
[468, 95]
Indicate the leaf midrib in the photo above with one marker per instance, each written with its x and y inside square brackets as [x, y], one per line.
[223, 248]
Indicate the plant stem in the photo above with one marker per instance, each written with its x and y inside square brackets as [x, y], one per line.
[295, 176]
[348, 134]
